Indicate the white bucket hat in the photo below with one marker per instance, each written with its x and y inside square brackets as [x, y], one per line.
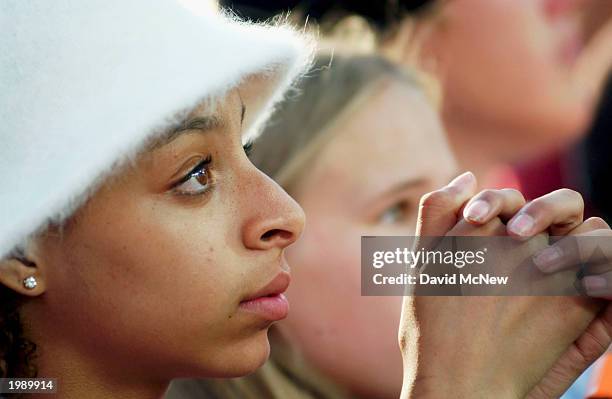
[83, 83]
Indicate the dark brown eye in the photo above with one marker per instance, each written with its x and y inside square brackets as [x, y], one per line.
[202, 177]
[197, 181]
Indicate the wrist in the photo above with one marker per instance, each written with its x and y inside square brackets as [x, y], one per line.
[463, 386]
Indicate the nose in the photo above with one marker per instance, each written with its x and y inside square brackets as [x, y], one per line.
[276, 220]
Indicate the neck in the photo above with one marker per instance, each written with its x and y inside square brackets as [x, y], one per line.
[80, 377]
[85, 371]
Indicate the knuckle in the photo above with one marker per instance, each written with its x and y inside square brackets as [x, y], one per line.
[452, 191]
[570, 194]
[512, 192]
[597, 223]
[437, 199]
[488, 194]
[539, 206]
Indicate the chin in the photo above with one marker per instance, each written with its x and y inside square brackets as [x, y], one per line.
[246, 356]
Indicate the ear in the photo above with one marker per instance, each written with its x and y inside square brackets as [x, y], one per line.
[15, 270]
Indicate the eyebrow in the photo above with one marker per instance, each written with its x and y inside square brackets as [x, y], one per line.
[394, 190]
[202, 124]
[411, 183]
[402, 186]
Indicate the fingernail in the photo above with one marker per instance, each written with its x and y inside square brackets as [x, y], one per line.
[594, 283]
[463, 180]
[522, 225]
[547, 259]
[477, 211]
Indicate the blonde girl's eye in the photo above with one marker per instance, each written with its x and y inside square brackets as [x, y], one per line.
[400, 212]
[197, 182]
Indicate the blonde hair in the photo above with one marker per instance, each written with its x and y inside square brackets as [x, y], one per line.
[331, 90]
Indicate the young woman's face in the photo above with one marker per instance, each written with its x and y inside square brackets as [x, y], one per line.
[366, 181]
[154, 275]
[510, 63]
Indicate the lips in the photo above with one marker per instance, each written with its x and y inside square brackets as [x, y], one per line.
[269, 302]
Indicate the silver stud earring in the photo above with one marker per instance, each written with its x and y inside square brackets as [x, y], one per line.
[30, 282]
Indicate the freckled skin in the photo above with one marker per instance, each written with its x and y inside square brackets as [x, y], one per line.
[145, 284]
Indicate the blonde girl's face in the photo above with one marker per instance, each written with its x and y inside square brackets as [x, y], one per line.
[154, 276]
[366, 181]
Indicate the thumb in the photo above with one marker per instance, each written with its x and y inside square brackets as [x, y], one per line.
[440, 210]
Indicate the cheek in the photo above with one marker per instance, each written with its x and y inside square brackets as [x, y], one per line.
[335, 326]
[324, 258]
[152, 280]
[158, 261]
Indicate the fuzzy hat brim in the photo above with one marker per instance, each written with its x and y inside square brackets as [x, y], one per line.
[85, 83]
